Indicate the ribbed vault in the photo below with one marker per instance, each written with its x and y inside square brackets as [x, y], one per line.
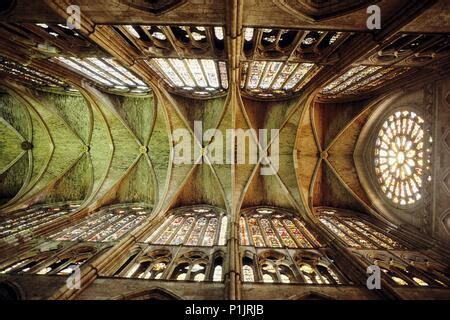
[98, 146]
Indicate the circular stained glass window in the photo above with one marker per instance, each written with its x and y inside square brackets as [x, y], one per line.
[401, 157]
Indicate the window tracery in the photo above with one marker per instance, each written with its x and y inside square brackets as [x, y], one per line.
[31, 77]
[198, 77]
[150, 266]
[156, 263]
[27, 220]
[402, 158]
[107, 224]
[268, 78]
[307, 267]
[106, 72]
[361, 79]
[169, 254]
[291, 257]
[264, 227]
[275, 268]
[402, 274]
[314, 269]
[217, 269]
[192, 266]
[437, 272]
[192, 226]
[280, 62]
[355, 232]
[58, 261]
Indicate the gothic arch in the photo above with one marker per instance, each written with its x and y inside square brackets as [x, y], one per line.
[312, 295]
[10, 290]
[155, 293]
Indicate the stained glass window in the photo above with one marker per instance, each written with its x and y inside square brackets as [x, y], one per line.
[399, 281]
[196, 232]
[45, 262]
[315, 272]
[217, 276]
[402, 158]
[408, 275]
[30, 76]
[270, 234]
[203, 77]
[283, 233]
[106, 72]
[361, 78]
[211, 232]
[255, 231]
[248, 34]
[331, 225]
[23, 265]
[272, 77]
[183, 231]
[351, 77]
[153, 265]
[194, 271]
[356, 232]
[377, 237]
[274, 229]
[248, 275]
[268, 278]
[149, 269]
[304, 230]
[23, 221]
[223, 231]
[420, 282]
[107, 224]
[193, 226]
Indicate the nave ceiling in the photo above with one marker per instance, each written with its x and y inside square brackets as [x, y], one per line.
[103, 139]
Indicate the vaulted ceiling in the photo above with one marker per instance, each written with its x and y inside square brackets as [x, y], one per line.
[312, 70]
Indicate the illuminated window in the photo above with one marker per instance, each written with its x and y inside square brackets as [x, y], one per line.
[30, 76]
[56, 262]
[402, 158]
[274, 268]
[30, 219]
[248, 274]
[399, 281]
[361, 78]
[420, 282]
[194, 269]
[375, 236]
[189, 266]
[223, 231]
[419, 272]
[248, 34]
[272, 228]
[24, 265]
[217, 276]
[272, 77]
[107, 224]
[107, 73]
[357, 233]
[316, 269]
[151, 265]
[192, 226]
[201, 77]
